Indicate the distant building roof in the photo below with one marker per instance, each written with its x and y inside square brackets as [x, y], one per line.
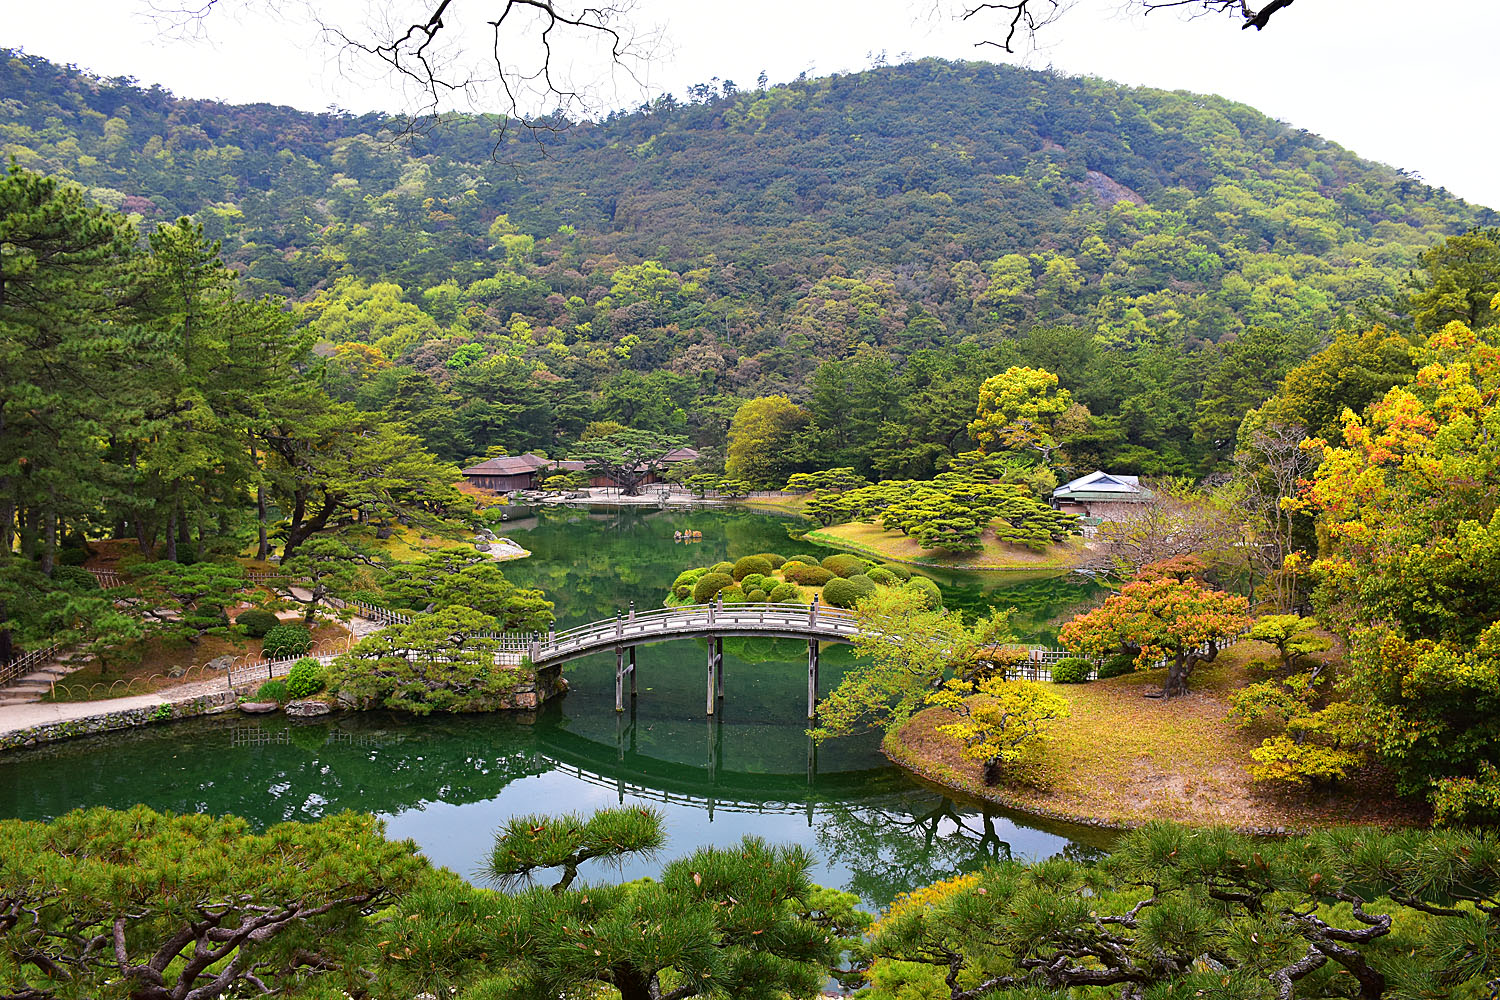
[507, 465]
[1104, 486]
[681, 455]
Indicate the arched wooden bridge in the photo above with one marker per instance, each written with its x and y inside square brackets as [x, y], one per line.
[813, 623]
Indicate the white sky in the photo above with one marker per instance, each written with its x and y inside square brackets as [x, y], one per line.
[1418, 92]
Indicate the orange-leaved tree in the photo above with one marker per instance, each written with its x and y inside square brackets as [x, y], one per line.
[1180, 621]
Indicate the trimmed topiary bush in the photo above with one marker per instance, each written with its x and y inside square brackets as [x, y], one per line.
[71, 557]
[901, 572]
[689, 577]
[721, 567]
[840, 593]
[306, 678]
[929, 591]
[801, 557]
[864, 585]
[286, 641]
[257, 622]
[883, 577]
[775, 560]
[808, 576]
[1117, 666]
[844, 565]
[1073, 670]
[709, 586]
[756, 596]
[272, 691]
[758, 581]
[74, 578]
[751, 564]
[785, 593]
[732, 595]
[682, 591]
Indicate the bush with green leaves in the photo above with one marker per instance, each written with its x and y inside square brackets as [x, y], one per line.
[305, 678]
[758, 581]
[1117, 666]
[776, 560]
[709, 586]
[883, 577]
[808, 576]
[785, 593]
[722, 567]
[751, 564]
[440, 662]
[843, 564]
[931, 595]
[74, 578]
[756, 596]
[682, 592]
[274, 690]
[1073, 670]
[71, 557]
[901, 572]
[689, 577]
[285, 641]
[841, 593]
[257, 622]
[801, 557]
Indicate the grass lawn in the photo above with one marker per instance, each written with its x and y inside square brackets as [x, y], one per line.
[875, 542]
[1123, 759]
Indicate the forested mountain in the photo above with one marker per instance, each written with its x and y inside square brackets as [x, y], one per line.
[871, 245]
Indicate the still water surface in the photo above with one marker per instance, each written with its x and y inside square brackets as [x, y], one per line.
[448, 782]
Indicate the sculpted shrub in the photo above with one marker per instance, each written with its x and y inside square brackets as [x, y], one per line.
[257, 622]
[785, 593]
[883, 577]
[808, 576]
[751, 564]
[285, 641]
[443, 662]
[708, 587]
[897, 570]
[756, 596]
[844, 564]
[305, 679]
[775, 560]
[1073, 670]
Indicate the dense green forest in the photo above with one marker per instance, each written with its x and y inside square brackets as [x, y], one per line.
[871, 245]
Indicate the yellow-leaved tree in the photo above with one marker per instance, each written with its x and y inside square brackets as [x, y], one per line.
[1000, 721]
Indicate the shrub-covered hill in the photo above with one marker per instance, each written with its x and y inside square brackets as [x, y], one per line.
[658, 266]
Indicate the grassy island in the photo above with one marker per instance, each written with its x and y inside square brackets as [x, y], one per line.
[1122, 759]
[875, 542]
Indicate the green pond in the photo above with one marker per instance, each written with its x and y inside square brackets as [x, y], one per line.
[448, 782]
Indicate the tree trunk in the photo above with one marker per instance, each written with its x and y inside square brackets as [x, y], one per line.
[1177, 676]
[632, 984]
[171, 553]
[49, 547]
[7, 522]
[263, 546]
[992, 773]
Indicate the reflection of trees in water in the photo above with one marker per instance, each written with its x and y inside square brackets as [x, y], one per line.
[882, 845]
[1037, 601]
[274, 770]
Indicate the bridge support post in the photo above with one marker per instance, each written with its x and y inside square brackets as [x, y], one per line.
[632, 671]
[812, 678]
[719, 666]
[715, 672]
[619, 678]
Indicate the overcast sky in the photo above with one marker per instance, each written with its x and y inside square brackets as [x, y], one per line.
[1415, 91]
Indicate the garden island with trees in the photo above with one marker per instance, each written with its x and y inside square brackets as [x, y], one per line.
[899, 317]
